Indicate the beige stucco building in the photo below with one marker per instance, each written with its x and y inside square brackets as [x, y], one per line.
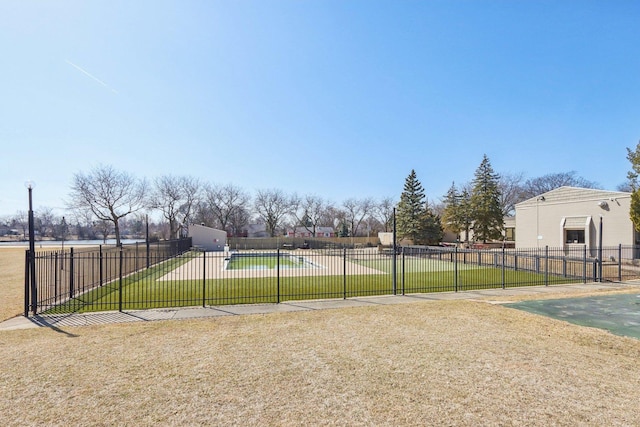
[570, 217]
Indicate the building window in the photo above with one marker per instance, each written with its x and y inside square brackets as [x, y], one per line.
[510, 234]
[574, 236]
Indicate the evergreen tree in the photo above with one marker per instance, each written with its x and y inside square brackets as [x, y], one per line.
[410, 208]
[414, 219]
[452, 216]
[430, 230]
[343, 230]
[485, 203]
[632, 176]
[465, 213]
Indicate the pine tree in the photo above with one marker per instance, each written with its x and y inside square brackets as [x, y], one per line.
[485, 203]
[452, 215]
[465, 213]
[634, 210]
[415, 221]
[430, 231]
[410, 208]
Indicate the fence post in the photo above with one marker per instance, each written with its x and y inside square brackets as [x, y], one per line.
[71, 279]
[204, 278]
[455, 270]
[55, 273]
[120, 281]
[584, 264]
[546, 265]
[620, 262]
[344, 273]
[101, 272]
[278, 275]
[503, 278]
[394, 279]
[402, 273]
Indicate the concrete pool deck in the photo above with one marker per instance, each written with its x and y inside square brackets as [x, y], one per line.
[494, 296]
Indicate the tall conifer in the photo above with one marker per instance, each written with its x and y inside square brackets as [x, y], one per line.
[485, 203]
[414, 219]
[634, 210]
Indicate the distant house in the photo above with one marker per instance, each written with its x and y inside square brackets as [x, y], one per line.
[257, 230]
[570, 217]
[305, 233]
[207, 238]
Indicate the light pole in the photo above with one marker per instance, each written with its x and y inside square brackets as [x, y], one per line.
[32, 251]
[395, 256]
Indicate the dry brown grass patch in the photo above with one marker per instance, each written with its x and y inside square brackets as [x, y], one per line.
[431, 363]
[11, 281]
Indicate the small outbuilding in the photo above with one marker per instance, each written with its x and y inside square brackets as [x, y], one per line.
[572, 217]
[207, 238]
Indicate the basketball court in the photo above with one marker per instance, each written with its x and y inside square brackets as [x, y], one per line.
[618, 314]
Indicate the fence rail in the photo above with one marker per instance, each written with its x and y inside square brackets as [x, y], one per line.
[137, 277]
[61, 276]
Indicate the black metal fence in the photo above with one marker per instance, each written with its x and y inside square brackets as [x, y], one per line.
[136, 278]
[62, 276]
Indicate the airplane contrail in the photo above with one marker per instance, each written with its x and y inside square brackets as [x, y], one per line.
[86, 73]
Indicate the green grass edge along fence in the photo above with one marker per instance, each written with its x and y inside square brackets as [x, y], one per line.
[113, 295]
[195, 278]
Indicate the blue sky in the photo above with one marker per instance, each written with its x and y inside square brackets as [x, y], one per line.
[334, 98]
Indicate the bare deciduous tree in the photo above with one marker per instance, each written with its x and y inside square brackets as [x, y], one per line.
[21, 220]
[383, 212]
[175, 197]
[239, 220]
[44, 222]
[104, 227]
[536, 186]
[309, 212]
[511, 191]
[356, 210]
[109, 194]
[224, 202]
[272, 206]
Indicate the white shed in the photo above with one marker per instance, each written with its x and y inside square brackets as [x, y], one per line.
[207, 238]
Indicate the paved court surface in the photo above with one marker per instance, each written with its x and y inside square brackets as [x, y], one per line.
[489, 295]
[618, 314]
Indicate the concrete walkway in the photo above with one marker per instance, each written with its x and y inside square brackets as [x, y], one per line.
[489, 295]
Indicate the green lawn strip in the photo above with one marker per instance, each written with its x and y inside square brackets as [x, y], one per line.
[147, 292]
[264, 261]
[411, 264]
[106, 297]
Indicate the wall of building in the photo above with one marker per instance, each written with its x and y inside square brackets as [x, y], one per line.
[210, 239]
[544, 220]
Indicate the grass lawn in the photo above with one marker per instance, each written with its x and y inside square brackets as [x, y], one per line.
[143, 290]
[12, 262]
[454, 363]
[259, 262]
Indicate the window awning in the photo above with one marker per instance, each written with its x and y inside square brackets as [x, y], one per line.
[576, 222]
